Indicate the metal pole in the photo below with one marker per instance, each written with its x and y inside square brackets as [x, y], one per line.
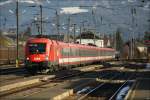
[57, 24]
[74, 25]
[41, 18]
[94, 24]
[132, 35]
[80, 34]
[115, 41]
[83, 25]
[94, 38]
[38, 27]
[133, 12]
[134, 23]
[17, 22]
[68, 33]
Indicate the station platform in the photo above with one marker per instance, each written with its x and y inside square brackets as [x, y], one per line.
[140, 90]
[52, 91]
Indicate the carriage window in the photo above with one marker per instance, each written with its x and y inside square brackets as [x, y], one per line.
[37, 48]
[65, 51]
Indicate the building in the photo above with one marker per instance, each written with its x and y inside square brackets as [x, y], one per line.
[139, 51]
[96, 42]
[89, 38]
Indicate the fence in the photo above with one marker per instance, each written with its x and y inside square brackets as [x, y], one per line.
[8, 55]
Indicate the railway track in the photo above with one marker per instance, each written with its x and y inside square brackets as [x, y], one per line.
[10, 70]
[104, 90]
[104, 73]
[44, 81]
[94, 89]
[97, 91]
[9, 74]
[119, 89]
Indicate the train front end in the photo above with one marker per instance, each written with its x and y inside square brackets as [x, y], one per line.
[37, 51]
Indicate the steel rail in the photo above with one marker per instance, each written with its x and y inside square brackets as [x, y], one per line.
[100, 85]
[119, 88]
[8, 71]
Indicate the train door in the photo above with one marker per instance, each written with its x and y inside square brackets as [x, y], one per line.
[56, 53]
[51, 54]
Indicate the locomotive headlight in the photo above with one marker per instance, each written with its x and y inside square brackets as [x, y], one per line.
[27, 58]
[46, 57]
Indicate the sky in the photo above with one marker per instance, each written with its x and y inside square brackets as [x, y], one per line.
[105, 16]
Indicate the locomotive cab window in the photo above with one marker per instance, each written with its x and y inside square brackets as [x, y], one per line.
[37, 48]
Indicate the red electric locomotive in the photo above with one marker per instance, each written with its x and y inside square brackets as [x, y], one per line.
[49, 55]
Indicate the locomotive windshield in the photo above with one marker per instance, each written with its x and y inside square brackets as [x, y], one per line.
[37, 48]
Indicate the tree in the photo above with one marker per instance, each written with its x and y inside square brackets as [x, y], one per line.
[0, 32]
[28, 31]
[119, 40]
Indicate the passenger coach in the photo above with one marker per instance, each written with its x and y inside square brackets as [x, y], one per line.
[45, 54]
